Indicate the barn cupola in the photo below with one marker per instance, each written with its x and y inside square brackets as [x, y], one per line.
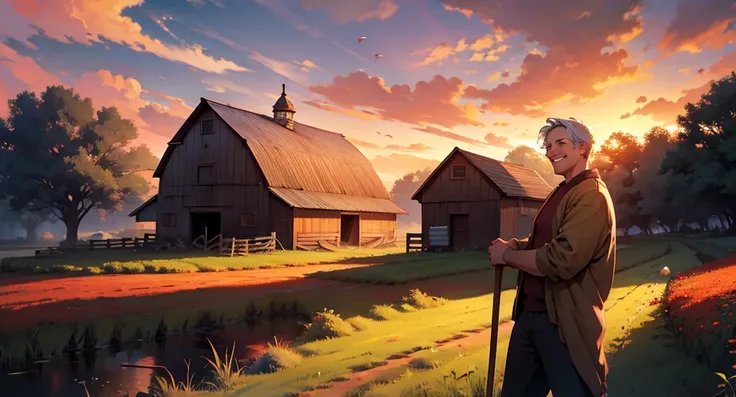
[283, 110]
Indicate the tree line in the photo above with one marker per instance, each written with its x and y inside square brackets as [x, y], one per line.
[665, 181]
[60, 158]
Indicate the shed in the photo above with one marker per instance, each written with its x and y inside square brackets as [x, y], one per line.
[480, 199]
[242, 174]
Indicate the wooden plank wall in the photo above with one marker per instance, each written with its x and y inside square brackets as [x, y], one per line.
[484, 219]
[282, 222]
[238, 187]
[513, 222]
[374, 224]
[474, 187]
[473, 195]
[311, 226]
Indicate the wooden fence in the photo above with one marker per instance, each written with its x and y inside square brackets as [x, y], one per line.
[244, 246]
[413, 242]
[148, 241]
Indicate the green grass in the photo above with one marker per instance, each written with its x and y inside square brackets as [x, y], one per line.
[400, 269]
[131, 262]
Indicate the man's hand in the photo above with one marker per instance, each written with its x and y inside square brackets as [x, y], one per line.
[496, 253]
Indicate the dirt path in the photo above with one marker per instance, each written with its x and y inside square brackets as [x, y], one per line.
[355, 380]
[22, 291]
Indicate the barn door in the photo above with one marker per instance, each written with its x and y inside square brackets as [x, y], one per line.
[459, 231]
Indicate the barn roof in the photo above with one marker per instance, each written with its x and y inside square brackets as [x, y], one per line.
[331, 201]
[513, 180]
[148, 202]
[294, 159]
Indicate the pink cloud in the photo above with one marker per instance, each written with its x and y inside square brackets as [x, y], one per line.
[699, 24]
[430, 102]
[22, 73]
[342, 11]
[92, 21]
[574, 33]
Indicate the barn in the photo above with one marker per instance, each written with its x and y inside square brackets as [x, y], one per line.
[243, 174]
[479, 199]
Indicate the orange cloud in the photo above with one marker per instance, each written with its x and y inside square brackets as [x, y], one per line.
[497, 141]
[464, 11]
[451, 135]
[93, 21]
[430, 102]
[500, 124]
[666, 111]
[307, 65]
[574, 66]
[363, 144]
[484, 48]
[699, 25]
[343, 11]
[641, 99]
[358, 113]
[27, 75]
[411, 148]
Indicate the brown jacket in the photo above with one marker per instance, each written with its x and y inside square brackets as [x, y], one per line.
[579, 264]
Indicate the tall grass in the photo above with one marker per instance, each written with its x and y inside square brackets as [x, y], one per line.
[226, 371]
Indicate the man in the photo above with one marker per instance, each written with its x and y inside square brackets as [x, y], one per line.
[566, 272]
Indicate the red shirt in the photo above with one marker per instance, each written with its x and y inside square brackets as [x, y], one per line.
[532, 289]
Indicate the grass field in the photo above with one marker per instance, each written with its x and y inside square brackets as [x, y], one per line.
[636, 338]
[132, 262]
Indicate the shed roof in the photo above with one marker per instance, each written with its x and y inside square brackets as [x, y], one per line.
[332, 201]
[513, 180]
[306, 158]
[148, 202]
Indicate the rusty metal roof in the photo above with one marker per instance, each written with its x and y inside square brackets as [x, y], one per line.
[306, 158]
[513, 180]
[332, 201]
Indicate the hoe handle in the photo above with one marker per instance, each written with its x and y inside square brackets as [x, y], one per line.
[494, 331]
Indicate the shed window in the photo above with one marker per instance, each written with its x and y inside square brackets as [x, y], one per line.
[458, 172]
[206, 174]
[169, 220]
[248, 219]
[207, 126]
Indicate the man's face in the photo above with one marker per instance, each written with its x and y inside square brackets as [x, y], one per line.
[561, 152]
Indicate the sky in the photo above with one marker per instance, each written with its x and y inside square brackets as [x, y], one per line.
[482, 75]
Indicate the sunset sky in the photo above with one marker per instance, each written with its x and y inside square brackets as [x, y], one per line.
[479, 74]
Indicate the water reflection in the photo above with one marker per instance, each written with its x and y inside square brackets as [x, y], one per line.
[105, 377]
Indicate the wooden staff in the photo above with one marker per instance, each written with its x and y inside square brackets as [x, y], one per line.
[494, 331]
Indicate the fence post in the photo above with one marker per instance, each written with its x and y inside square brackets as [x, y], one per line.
[205, 238]
[273, 241]
[247, 251]
[108, 243]
[91, 246]
[232, 248]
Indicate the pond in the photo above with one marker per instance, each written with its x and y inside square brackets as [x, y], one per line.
[104, 376]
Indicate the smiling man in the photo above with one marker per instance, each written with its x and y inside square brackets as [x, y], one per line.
[566, 272]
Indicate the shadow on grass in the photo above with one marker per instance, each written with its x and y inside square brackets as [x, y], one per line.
[649, 362]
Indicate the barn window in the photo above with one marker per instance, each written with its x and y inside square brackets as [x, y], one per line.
[248, 219]
[207, 126]
[206, 174]
[169, 220]
[458, 171]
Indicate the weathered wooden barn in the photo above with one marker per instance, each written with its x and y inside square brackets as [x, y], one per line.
[243, 174]
[480, 199]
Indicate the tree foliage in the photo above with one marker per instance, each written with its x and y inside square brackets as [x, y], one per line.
[530, 158]
[58, 154]
[402, 191]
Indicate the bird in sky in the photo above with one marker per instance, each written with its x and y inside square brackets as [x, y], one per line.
[378, 132]
[361, 38]
[378, 56]
[388, 136]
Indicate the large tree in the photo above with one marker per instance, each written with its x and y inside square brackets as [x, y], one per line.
[704, 157]
[530, 158]
[402, 191]
[58, 154]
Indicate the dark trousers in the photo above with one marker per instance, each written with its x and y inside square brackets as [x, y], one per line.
[538, 362]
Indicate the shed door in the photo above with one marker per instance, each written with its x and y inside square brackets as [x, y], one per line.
[459, 230]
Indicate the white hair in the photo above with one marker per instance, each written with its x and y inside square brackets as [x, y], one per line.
[577, 132]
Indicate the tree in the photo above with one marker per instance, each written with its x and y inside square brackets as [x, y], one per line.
[527, 157]
[404, 188]
[58, 155]
[650, 185]
[704, 157]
